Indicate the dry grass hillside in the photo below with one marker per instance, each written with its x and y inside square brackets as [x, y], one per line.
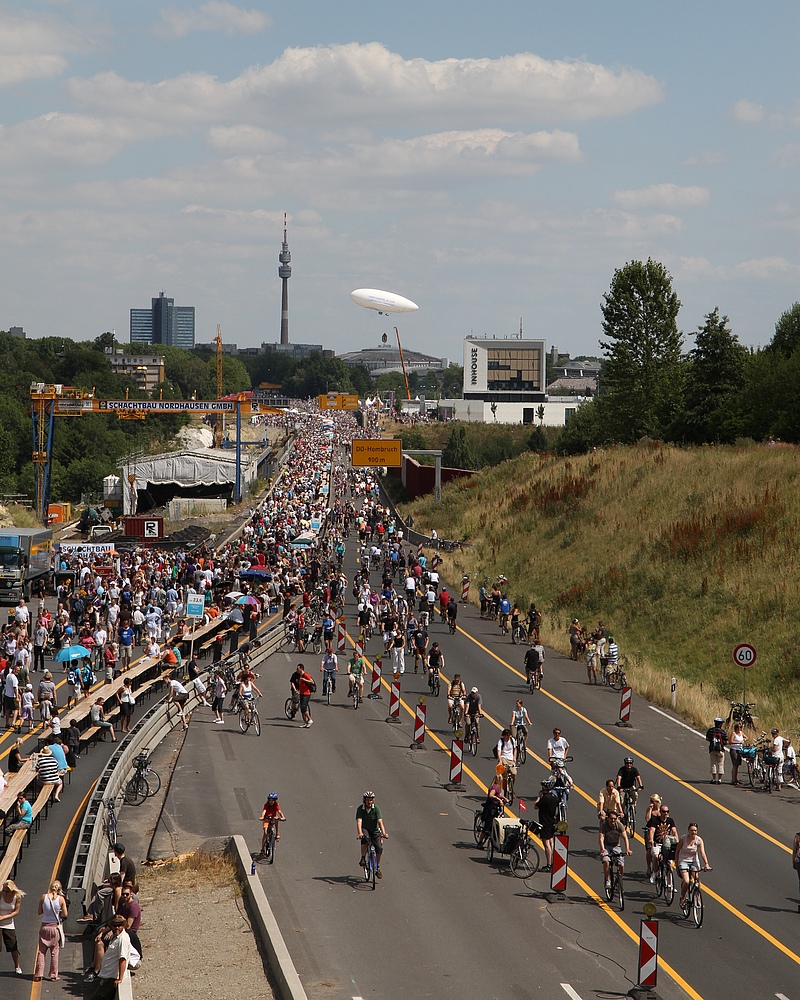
[684, 553]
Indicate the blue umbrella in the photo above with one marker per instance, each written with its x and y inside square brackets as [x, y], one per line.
[71, 653]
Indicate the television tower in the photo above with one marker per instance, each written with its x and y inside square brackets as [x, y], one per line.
[284, 273]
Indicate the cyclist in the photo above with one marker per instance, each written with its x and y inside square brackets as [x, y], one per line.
[435, 661]
[514, 617]
[506, 754]
[271, 813]
[547, 804]
[659, 826]
[444, 603]
[492, 807]
[689, 848]
[562, 782]
[369, 827]
[534, 621]
[557, 746]
[520, 720]
[452, 614]
[776, 752]
[246, 649]
[247, 686]
[456, 692]
[329, 667]
[612, 830]
[608, 799]
[355, 675]
[505, 613]
[628, 777]
[420, 647]
[473, 710]
[328, 625]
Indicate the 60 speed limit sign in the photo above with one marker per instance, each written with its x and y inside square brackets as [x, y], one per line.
[744, 655]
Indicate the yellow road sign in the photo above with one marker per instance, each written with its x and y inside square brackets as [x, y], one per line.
[380, 452]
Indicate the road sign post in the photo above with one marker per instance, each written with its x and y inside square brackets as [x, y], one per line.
[744, 656]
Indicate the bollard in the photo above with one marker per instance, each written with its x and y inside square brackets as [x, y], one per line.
[464, 589]
[340, 634]
[456, 758]
[648, 953]
[672, 689]
[394, 700]
[558, 876]
[419, 722]
[377, 670]
[625, 707]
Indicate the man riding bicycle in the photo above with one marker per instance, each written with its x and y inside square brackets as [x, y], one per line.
[355, 675]
[329, 668]
[533, 662]
[659, 826]
[628, 777]
[456, 693]
[369, 827]
[612, 830]
[473, 711]
[435, 661]
[420, 647]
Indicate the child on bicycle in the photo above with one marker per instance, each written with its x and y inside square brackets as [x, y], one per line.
[271, 813]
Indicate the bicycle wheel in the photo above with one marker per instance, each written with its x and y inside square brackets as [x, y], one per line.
[289, 710]
[608, 888]
[153, 779]
[620, 887]
[271, 840]
[136, 790]
[316, 645]
[697, 907]
[244, 720]
[489, 850]
[531, 683]
[473, 742]
[256, 722]
[660, 882]
[477, 826]
[522, 750]
[436, 686]
[669, 884]
[630, 818]
[525, 862]
[751, 772]
[111, 825]
[373, 864]
[686, 905]
[510, 789]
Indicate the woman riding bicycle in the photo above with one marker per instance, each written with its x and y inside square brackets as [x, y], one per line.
[492, 807]
[271, 814]
[520, 720]
[690, 848]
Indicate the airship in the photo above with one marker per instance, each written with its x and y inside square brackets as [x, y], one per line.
[382, 302]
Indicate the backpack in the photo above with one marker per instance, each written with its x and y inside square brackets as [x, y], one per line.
[715, 744]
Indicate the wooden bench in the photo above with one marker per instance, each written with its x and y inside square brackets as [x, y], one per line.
[8, 866]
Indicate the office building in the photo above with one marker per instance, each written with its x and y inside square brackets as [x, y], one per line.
[163, 323]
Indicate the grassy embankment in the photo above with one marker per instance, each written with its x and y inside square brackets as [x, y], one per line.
[683, 553]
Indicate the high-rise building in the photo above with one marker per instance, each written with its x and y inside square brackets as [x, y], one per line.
[284, 273]
[163, 323]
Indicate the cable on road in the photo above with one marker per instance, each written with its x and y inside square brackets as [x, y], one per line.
[602, 994]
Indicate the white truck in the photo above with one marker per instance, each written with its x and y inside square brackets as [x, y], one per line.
[26, 559]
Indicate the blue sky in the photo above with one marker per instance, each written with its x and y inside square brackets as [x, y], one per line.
[491, 165]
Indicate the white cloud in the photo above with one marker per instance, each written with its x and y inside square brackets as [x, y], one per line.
[788, 156]
[708, 158]
[54, 140]
[748, 112]
[215, 16]
[244, 139]
[362, 84]
[33, 49]
[667, 196]
[766, 268]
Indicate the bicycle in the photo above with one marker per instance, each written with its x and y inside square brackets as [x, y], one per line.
[772, 768]
[615, 677]
[471, 740]
[292, 706]
[370, 861]
[503, 770]
[615, 887]
[523, 857]
[433, 681]
[665, 874]
[692, 902]
[561, 788]
[248, 716]
[110, 825]
[519, 634]
[270, 839]
[145, 782]
[328, 684]
[355, 694]
[535, 678]
[456, 714]
[521, 737]
[740, 712]
[629, 809]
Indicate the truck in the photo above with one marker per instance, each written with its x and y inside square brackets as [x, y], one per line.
[26, 560]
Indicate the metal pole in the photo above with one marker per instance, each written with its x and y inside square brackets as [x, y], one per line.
[238, 496]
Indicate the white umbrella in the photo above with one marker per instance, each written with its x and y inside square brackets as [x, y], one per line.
[234, 594]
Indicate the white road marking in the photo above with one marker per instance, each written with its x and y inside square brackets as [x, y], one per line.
[780, 996]
[570, 992]
[677, 722]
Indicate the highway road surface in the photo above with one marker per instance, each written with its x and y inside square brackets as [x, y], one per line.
[443, 922]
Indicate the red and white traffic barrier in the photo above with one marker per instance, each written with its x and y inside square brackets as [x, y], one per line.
[419, 723]
[648, 952]
[394, 700]
[456, 759]
[377, 670]
[558, 876]
[465, 589]
[359, 647]
[419, 550]
[625, 705]
[340, 634]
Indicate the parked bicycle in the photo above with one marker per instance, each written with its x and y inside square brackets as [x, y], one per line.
[740, 712]
[145, 782]
[111, 822]
[615, 677]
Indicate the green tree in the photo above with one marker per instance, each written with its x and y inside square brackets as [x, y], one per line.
[716, 371]
[787, 332]
[453, 381]
[643, 369]
[457, 453]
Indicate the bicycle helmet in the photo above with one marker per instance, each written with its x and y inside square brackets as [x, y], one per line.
[474, 691]
[549, 783]
[368, 795]
[718, 721]
[272, 796]
[628, 760]
[775, 732]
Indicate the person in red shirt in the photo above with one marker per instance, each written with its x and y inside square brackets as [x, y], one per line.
[271, 813]
[307, 686]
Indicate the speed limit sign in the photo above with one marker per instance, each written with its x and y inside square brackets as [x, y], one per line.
[744, 655]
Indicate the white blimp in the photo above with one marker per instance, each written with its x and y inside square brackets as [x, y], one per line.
[382, 302]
